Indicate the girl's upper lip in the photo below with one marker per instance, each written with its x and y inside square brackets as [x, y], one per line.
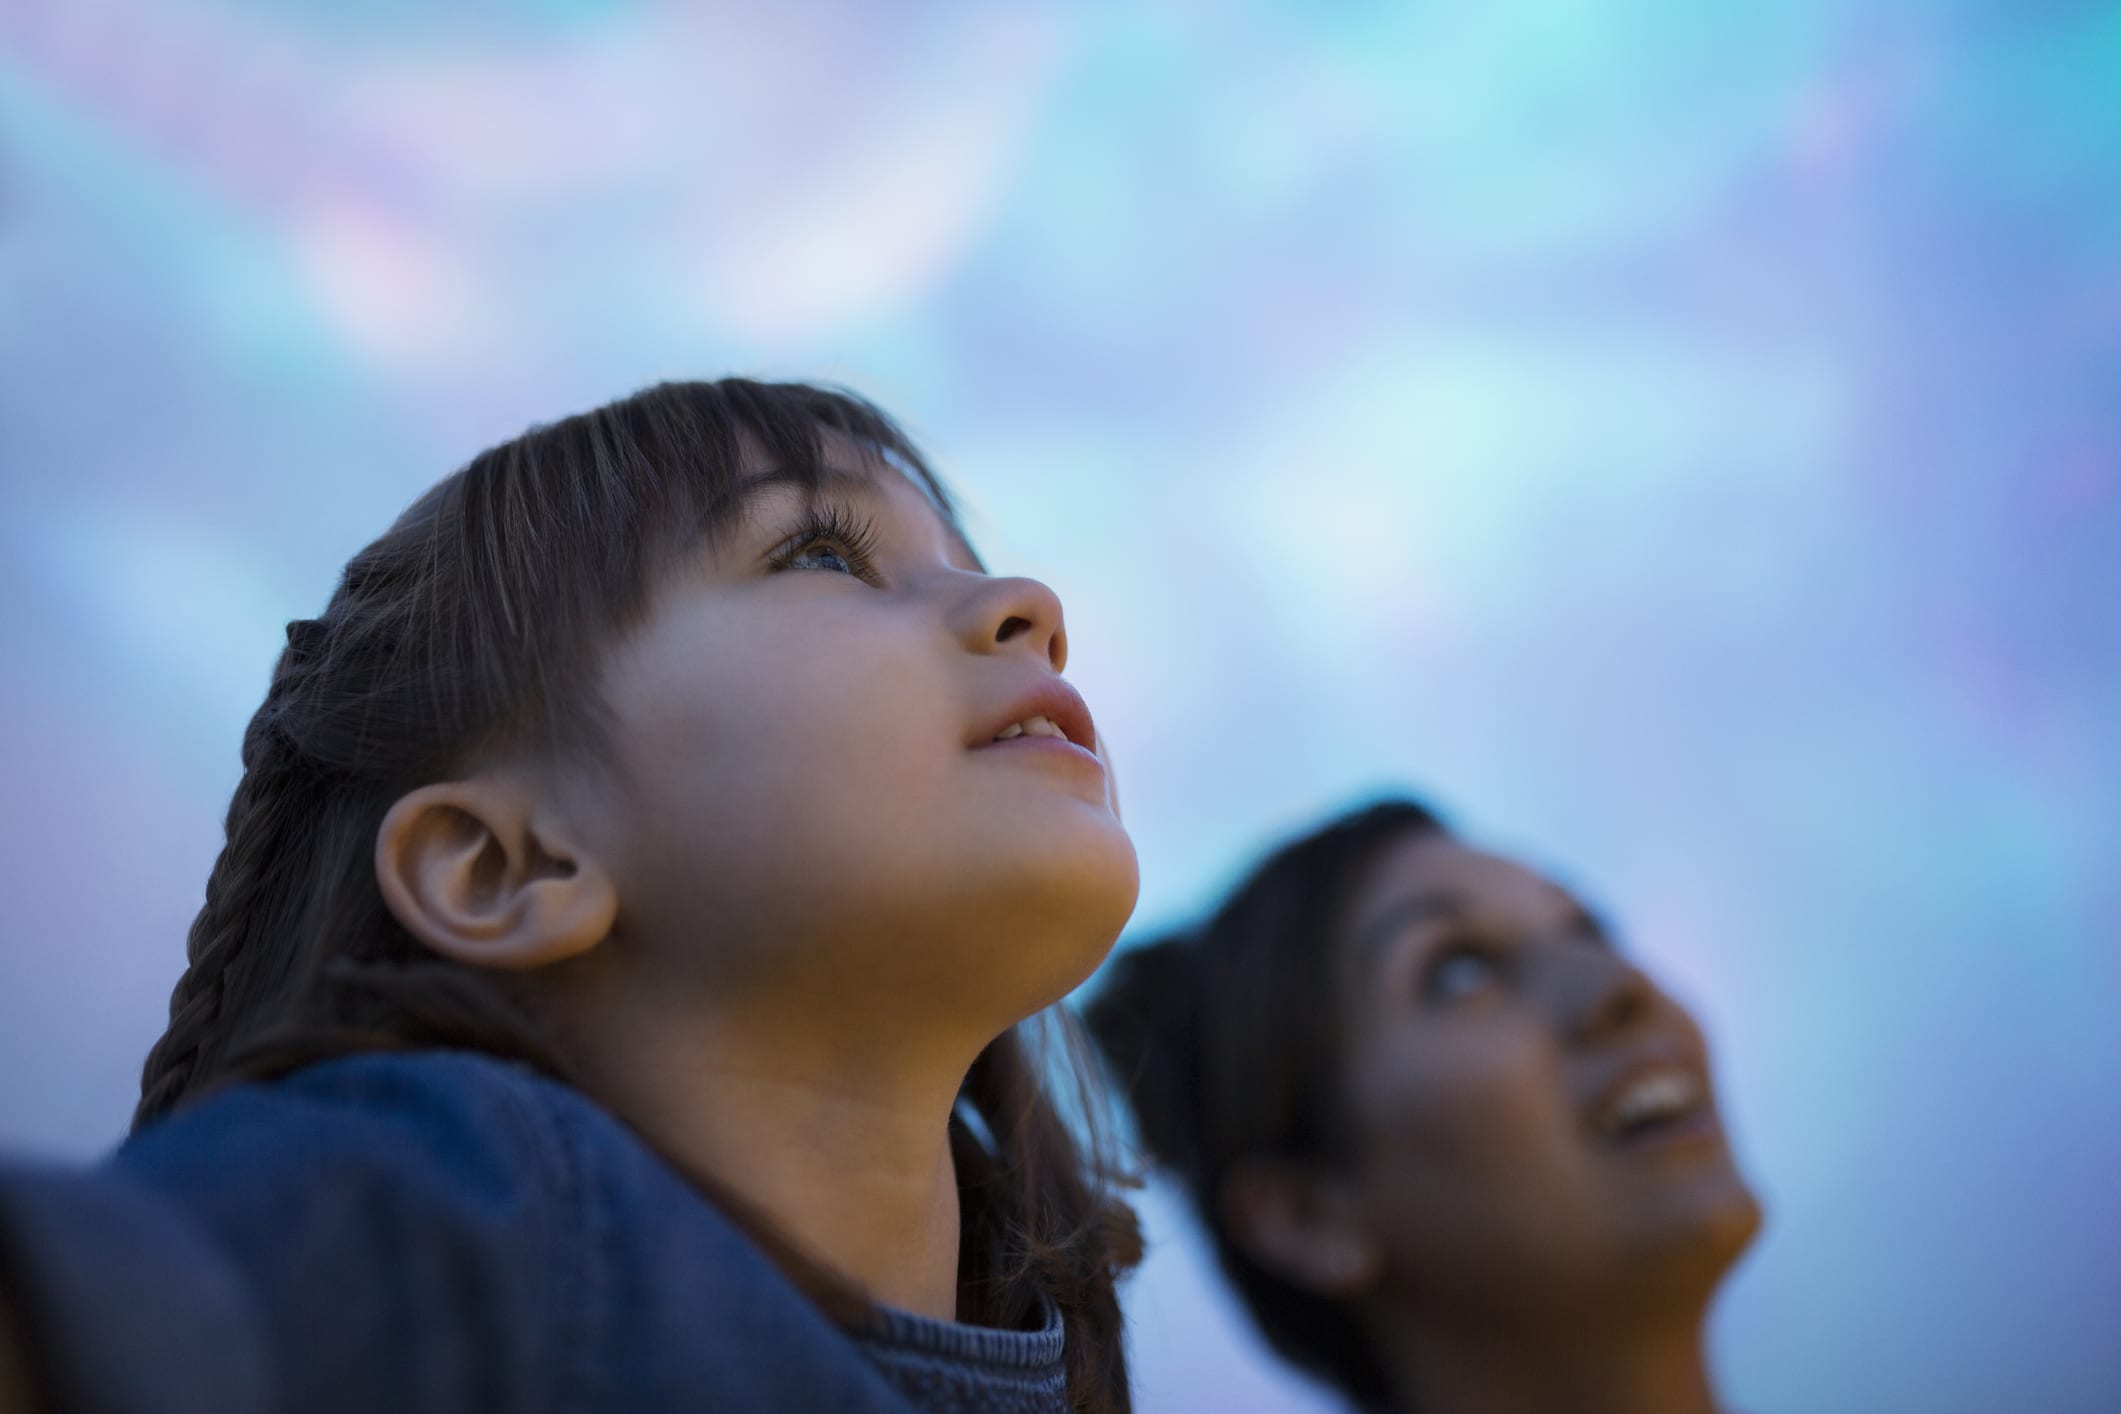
[1058, 703]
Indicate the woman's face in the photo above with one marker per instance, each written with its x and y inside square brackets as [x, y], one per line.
[825, 813]
[1534, 1118]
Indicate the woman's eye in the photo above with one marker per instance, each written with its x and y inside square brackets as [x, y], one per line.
[1460, 972]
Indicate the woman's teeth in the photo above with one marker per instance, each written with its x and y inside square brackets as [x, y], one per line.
[1659, 1096]
[1030, 726]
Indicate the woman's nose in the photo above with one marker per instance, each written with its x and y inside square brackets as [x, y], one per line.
[1602, 994]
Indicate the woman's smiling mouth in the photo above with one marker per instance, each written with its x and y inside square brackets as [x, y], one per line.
[1658, 1101]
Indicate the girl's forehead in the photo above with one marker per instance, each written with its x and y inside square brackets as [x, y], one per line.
[893, 473]
[896, 463]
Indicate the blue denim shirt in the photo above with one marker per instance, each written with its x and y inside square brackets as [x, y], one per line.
[440, 1232]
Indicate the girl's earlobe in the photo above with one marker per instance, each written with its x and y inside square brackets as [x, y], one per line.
[469, 869]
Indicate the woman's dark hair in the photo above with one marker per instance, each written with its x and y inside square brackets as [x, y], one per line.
[476, 624]
[1225, 1040]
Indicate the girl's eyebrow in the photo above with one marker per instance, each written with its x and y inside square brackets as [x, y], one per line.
[739, 497]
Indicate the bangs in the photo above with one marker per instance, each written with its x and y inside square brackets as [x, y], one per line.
[708, 443]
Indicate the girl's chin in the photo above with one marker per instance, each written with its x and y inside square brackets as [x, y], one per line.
[1075, 860]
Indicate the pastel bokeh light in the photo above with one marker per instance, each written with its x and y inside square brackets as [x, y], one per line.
[1683, 441]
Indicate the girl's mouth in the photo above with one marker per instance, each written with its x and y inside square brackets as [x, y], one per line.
[1038, 736]
[1030, 726]
[1049, 709]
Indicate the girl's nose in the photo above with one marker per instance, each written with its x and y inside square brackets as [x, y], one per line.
[1012, 615]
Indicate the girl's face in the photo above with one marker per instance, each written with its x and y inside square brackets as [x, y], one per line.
[1534, 1118]
[852, 788]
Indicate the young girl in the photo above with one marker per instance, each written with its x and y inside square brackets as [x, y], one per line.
[606, 997]
[1456, 1153]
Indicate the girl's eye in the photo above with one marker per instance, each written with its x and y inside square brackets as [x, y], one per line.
[830, 541]
[1461, 970]
[820, 555]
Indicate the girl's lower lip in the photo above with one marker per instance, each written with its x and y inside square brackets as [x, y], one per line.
[1058, 748]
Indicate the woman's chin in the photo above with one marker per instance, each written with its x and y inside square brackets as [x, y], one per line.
[1697, 1242]
[1743, 1226]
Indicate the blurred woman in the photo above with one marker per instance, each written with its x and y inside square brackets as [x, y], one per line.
[1455, 1151]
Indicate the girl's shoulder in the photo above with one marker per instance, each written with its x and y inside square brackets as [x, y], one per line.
[489, 1131]
[418, 1231]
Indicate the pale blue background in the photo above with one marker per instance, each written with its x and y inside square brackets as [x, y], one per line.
[1685, 439]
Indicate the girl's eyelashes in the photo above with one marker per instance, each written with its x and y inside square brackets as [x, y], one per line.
[832, 540]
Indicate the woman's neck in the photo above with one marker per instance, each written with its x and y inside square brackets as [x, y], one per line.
[842, 1148]
[1656, 1367]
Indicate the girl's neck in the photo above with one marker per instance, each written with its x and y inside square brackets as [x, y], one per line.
[1604, 1368]
[846, 1156]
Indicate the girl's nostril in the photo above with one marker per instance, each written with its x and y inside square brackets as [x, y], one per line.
[1010, 628]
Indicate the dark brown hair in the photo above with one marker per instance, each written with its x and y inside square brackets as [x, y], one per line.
[1224, 1040]
[474, 625]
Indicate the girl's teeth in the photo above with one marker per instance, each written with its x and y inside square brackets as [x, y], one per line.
[1030, 726]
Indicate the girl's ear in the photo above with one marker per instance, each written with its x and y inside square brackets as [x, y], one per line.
[481, 871]
[1303, 1223]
